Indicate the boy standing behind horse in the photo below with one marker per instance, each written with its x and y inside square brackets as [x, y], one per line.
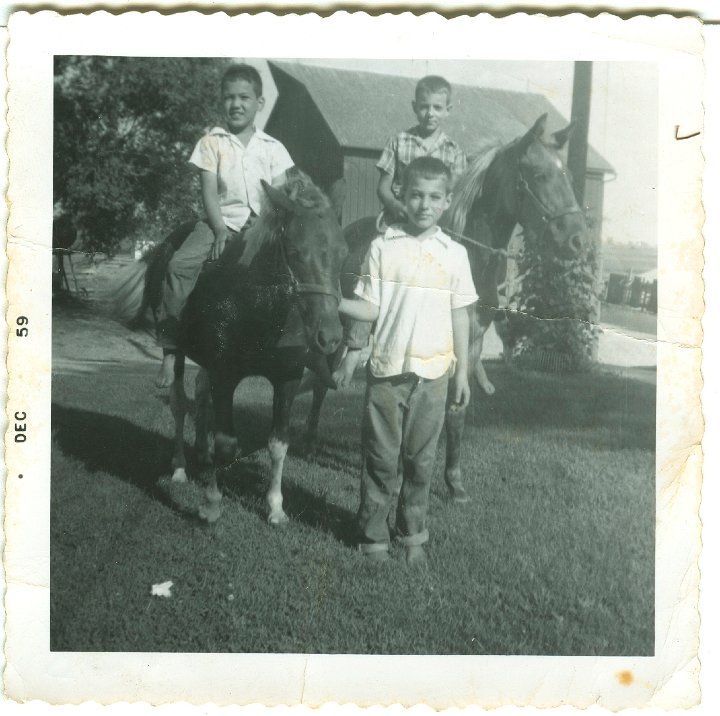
[416, 283]
[232, 161]
[432, 105]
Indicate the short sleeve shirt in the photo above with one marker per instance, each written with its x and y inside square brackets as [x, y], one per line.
[416, 285]
[406, 146]
[239, 169]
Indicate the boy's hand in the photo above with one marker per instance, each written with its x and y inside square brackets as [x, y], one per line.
[221, 237]
[461, 399]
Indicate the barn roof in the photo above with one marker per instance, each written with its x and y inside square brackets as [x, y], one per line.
[364, 109]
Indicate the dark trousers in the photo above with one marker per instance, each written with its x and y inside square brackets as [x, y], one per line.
[402, 423]
[182, 274]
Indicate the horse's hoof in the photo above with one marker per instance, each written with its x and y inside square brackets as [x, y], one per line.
[278, 519]
[179, 476]
[487, 386]
[209, 512]
[458, 494]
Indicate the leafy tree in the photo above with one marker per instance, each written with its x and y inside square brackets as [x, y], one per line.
[124, 128]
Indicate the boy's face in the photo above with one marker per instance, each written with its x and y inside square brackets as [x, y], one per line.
[241, 104]
[425, 201]
[431, 108]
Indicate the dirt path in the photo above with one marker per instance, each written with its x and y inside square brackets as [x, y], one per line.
[85, 340]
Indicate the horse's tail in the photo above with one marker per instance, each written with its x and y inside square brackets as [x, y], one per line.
[139, 287]
[126, 294]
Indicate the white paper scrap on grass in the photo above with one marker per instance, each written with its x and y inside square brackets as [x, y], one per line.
[162, 589]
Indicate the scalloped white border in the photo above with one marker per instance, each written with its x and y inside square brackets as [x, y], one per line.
[670, 679]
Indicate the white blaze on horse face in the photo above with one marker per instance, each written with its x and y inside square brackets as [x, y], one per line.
[278, 451]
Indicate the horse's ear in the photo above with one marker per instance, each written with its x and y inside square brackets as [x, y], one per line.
[562, 135]
[535, 132]
[336, 194]
[278, 198]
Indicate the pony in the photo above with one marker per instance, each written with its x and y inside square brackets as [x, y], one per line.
[270, 301]
[523, 182]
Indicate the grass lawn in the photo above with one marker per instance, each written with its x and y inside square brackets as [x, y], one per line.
[554, 555]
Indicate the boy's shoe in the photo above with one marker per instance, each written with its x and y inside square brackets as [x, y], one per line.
[415, 555]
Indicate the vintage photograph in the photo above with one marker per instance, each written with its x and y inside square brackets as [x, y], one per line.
[462, 243]
[374, 369]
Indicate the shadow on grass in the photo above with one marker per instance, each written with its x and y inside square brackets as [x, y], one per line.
[598, 399]
[140, 457]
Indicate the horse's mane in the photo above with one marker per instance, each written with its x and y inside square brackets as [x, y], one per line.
[469, 187]
[301, 190]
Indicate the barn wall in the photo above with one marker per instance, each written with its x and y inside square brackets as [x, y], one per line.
[361, 177]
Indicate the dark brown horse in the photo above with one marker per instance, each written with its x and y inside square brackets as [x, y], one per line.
[523, 182]
[270, 301]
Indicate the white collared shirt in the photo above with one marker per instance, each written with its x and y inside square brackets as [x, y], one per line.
[416, 284]
[239, 169]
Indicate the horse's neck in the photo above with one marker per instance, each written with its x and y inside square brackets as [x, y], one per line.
[265, 267]
[492, 228]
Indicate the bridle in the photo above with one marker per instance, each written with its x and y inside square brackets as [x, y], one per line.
[301, 288]
[547, 217]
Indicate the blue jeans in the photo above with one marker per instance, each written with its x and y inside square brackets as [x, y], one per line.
[402, 422]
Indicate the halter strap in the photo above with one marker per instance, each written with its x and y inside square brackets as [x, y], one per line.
[545, 214]
[300, 287]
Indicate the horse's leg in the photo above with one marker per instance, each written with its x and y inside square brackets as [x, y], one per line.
[320, 390]
[283, 396]
[203, 432]
[178, 406]
[225, 443]
[475, 361]
[454, 430]
[455, 418]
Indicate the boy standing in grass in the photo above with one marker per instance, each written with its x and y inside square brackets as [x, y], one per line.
[416, 284]
[432, 105]
[231, 160]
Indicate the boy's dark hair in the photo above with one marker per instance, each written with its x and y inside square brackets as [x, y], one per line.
[241, 71]
[432, 84]
[427, 168]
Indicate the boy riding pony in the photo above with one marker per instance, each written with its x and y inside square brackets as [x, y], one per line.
[232, 161]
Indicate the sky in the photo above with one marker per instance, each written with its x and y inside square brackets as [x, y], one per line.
[623, 122]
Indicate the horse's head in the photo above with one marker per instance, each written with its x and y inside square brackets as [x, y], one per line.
[543, 201]
[313, 247]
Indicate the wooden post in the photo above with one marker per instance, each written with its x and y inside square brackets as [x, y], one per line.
[577, 162]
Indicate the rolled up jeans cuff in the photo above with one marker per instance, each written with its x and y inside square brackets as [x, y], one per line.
[371, 547]
[411, 540]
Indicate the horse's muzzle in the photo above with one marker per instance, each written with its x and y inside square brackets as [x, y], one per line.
[324, 330]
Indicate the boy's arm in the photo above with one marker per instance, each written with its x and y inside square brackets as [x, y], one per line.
[211, 203]
[461, 338]
[281, 162]
[359, 309]
[386, 196]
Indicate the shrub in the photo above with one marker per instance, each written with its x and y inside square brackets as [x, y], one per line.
[551, 323]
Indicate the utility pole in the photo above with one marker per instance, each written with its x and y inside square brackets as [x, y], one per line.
[580, 116]
[577, 164]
